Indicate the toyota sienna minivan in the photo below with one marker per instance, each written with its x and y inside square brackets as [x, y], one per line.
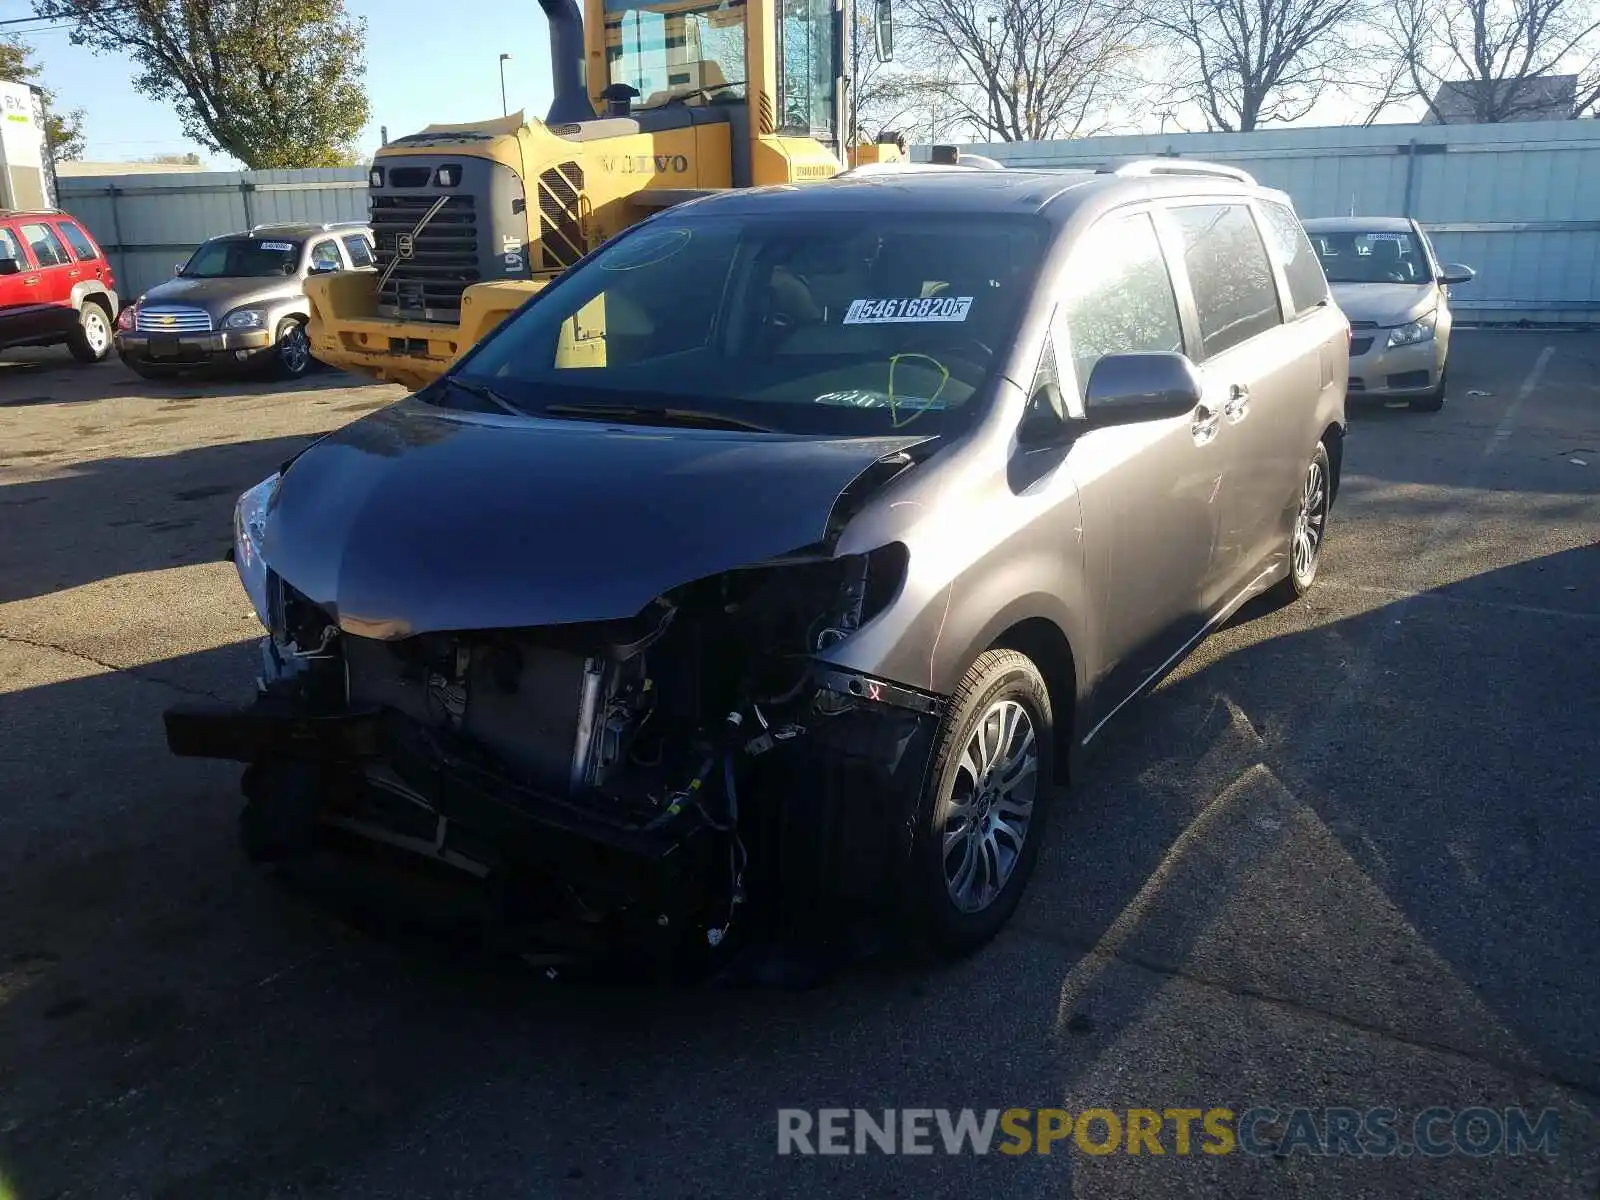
[775, 565]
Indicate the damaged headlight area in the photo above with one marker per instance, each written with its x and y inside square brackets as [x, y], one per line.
[249, 522]
[660, 773]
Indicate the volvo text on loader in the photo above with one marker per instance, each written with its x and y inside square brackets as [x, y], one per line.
[655, 102]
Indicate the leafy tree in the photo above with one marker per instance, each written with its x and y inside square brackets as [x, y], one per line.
[274, 83]
[63, 131]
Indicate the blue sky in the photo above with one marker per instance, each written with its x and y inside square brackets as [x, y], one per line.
[427, 61]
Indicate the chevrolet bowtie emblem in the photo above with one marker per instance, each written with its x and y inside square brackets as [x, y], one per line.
[168, 320]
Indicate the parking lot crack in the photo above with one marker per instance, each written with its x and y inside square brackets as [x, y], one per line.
[142, 673]
[1589, 1091]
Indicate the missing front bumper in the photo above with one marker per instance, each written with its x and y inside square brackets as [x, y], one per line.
[824, 818]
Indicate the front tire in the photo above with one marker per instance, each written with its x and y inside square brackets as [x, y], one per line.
[980, 822]
[1434, 400]
[90, 342]
[291, 354]
[1310, 527]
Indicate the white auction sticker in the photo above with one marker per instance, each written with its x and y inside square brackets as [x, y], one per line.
[277, 245]
[908, 310]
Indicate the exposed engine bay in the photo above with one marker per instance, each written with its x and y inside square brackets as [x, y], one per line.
[688, 740]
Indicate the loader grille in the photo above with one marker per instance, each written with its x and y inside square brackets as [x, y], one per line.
[561, 233]
[443, 258]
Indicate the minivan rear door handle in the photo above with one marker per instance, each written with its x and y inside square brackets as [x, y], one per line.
[1206, 422]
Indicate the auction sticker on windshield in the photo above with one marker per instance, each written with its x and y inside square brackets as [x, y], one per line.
[277, 245]
[908, 310]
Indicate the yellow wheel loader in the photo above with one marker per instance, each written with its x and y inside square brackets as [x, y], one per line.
[655, 102]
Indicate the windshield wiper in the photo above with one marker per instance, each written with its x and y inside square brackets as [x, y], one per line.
[647, 415]
[485, 393]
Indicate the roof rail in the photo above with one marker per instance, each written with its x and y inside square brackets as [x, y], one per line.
[1175, 166]
[325, 225]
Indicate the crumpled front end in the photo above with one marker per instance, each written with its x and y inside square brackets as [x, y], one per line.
[651, 782]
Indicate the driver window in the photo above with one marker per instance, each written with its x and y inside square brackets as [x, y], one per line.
[325, 256]
[1119, 297]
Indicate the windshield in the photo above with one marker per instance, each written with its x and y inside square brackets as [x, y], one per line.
[671, 50]
[1355, 256]
[862, 325]
[242, 258]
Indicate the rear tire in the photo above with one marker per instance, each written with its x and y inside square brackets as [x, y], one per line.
[90, 342]
[979, 824]
[1310, 528]
[1434, 401]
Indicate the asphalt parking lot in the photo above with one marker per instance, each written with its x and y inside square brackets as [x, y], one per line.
[1344, 857]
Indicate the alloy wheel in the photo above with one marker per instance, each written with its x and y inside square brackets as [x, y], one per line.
[294, 349]
[991, 806]
[1310, 522]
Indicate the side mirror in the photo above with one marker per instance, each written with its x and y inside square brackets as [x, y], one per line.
[1455, 273]
[10, 266]
[883, 29]
[177, 269]
[1126, 388]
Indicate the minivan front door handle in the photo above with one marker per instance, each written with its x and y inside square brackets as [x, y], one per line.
[1238, 406]
[1206, 422]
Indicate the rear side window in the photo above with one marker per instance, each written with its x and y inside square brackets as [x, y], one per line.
[1119, 297]
[82, 247]
[1308, 286]
[9, 247]
[46, 246]
[1229, 272]
[359, 250]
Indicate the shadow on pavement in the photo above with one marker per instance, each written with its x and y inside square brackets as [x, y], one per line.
[121, 516]
[1359, 844]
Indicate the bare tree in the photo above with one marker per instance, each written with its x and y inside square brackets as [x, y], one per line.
[1495, 53]
[1248, 63]
[1022, 69]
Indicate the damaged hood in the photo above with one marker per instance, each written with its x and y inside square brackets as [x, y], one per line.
[417, 519]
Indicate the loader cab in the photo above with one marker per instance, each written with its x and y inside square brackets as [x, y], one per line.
[784, 63]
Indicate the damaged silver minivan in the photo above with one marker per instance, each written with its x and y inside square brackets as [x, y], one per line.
[778, 559]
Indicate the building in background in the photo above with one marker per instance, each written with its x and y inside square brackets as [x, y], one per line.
[90, 170]
[1471, 101]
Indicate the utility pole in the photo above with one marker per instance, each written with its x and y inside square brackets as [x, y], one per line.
[504, 108]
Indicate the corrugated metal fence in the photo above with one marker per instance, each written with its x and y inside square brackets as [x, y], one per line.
[147, 223]
[1519, 203]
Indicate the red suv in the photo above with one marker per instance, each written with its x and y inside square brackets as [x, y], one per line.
[55, 285]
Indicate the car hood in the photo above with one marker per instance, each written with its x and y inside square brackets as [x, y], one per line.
[1384, 303]
[418, 519]
[220, 296]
